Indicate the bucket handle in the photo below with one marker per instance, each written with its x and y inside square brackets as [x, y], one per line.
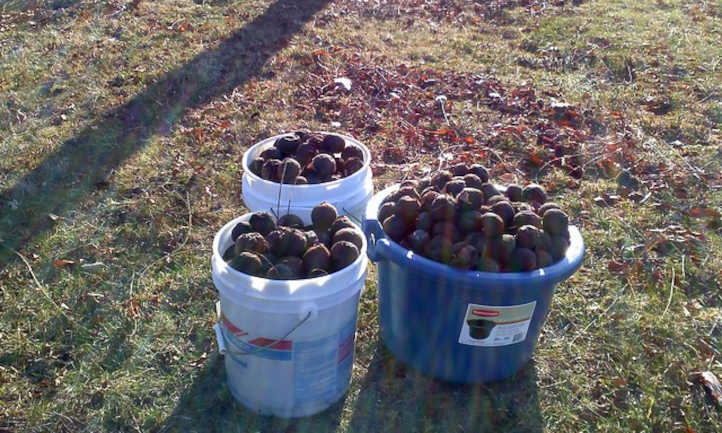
[224, 342]
[375, 238]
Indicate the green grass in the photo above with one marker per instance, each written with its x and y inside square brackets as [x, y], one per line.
[128, 124]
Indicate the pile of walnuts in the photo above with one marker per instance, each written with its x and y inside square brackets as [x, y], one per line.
[457, 217]
[303, 158]
[288, 250]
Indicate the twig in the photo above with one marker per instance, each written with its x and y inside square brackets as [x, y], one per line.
[619, 295]
[174, 252]
[190, 218]
[280, 186]
[709, 334]
[496, 154]
[711, 95]
[73, 421]
[684, 273]
[646, 197]
[441, 99]
[671, 291]
[41, 287]
[121, 10]
[553, 384]
[695, 171]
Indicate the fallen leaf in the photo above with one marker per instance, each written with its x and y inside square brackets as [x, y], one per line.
[659, 106]
[559, 105]
[636, 196]
[132, 309]
[620, 382]
[712, 385]
[599, 201]
[53, 217]
[615, 266]
[345, 82]
[627, 180]
[59, 263]
[507, 178]
[607, 200]
[535, 159]
[698, 212]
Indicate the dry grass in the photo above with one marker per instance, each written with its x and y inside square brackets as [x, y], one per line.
[126, 121]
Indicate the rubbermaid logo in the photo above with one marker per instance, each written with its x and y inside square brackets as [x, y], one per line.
[484, 313]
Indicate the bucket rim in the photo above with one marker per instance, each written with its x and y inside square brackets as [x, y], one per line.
[384, 246]
[285, 290]
[321, 186]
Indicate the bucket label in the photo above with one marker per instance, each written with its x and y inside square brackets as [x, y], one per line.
[261, 347]
[323, 366]
[302, 372]
[491, 325]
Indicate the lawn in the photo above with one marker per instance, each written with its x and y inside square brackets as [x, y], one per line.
[123, 123]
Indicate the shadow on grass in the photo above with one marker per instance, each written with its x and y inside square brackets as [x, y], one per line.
[395, 398]
[207, 406]
[391, 398]
[84, 162]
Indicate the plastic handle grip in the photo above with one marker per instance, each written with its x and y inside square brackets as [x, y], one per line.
[374, 237]
[219, 339]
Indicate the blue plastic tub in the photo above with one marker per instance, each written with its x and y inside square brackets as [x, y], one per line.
[460, 326]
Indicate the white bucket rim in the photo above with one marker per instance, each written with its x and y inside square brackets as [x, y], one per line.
[355, 176]
[286, 290]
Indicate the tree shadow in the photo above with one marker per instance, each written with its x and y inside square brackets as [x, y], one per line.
[84, 162]
[208, 407]
[395, 398]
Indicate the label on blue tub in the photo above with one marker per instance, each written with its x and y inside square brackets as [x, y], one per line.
[492, 325]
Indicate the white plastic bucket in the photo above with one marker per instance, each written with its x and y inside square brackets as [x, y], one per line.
[288, 345]
[349, 195]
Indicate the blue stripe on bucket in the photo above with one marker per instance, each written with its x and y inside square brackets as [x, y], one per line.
[237, 361]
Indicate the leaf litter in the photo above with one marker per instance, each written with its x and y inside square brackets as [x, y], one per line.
[452, 11]
[415, 107]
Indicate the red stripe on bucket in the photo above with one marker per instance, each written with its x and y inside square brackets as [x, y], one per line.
[345, 348]
[266, 342]
[261, 342]
[231, 327]
[484, 313]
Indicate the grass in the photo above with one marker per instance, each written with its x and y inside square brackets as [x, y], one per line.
[123, 125]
